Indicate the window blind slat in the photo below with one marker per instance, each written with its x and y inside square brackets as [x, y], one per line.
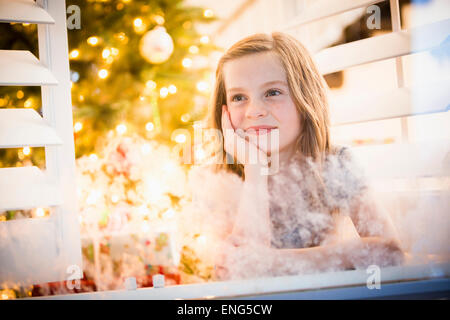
[411, 160]
[26, 187]
[324, 9]
[23, 11]
[382, 47]
[396, 103]
[25, 127]
[22, 68]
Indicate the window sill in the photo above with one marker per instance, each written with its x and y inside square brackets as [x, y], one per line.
[395, 281]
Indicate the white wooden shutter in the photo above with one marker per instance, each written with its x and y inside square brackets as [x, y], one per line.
[39, 250]
[400, 160]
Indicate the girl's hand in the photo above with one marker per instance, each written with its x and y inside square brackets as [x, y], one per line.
[224, 257]
[241, 147]
[235, 255]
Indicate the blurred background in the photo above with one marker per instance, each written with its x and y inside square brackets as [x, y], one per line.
[141, 75]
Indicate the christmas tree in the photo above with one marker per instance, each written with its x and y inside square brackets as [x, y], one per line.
[137, 66]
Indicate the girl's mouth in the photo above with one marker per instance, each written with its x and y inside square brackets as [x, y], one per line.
[259, 130]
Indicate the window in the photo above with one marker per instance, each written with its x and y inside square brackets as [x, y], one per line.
[398, 164]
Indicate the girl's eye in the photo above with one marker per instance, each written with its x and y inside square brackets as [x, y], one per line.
[271, 92]
[236, 96]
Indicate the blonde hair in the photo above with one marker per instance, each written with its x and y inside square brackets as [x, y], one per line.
[307, 88]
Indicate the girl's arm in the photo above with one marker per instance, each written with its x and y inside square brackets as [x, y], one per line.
[371, 221]
[378, 244]
[252, 223]
[350, 254]
[250, 236]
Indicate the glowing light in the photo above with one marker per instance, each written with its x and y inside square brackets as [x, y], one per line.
[114, 198]
[40, 212]
[74, 76]
[158, 19]
[121, 36]
[20, 154]
[93, 41]
[26, 24]
[139, 25]
[77, 127]
[28, 103]
[137, 22]
[208, 13]
[20, 94]
[163, 92]
[74, 54]
[187, 62]
[114, 51]
[180, 138]
[26, 151]
[150, 84]
[149, 126]
[146, 148]
[106, 53]
[121, 128]
[198, 124]
[93, 197]
[172, 89]
[93, 157]
[193, 49]
[200, 154]
[185, 117]
[201, 239]
[187, 25]
[204, 39]
[103, 73]
[202, 86]
[7, 294]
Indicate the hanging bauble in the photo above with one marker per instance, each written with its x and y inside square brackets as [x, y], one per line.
[156, 46]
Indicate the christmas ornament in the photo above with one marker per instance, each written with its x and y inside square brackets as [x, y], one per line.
[156, 46]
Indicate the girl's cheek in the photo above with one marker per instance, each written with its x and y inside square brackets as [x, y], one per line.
[236, 117]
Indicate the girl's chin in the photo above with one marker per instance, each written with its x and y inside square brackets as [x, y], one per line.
[270, 146]
[283, 150]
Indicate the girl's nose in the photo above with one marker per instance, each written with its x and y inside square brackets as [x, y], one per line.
[256, 110]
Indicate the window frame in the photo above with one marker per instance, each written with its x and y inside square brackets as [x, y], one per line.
[241, 288]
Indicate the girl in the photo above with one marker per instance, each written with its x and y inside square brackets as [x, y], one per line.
[268, 86]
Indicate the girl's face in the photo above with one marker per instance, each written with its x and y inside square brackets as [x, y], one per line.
[258, 97]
